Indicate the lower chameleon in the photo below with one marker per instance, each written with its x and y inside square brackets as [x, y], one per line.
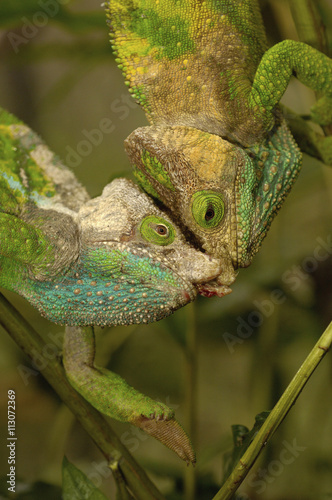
[113, 260]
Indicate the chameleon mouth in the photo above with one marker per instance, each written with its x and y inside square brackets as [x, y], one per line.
[219, 285]
[213, 289]
[186, 296]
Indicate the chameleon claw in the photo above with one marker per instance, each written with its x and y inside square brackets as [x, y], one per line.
[161, 413]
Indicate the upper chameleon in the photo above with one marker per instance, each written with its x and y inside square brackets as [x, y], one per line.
[218, 154]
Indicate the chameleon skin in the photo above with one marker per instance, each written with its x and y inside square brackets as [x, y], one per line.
[206, 64]
[210, 89]
[116, 259]
[185, 61]
[96, 265]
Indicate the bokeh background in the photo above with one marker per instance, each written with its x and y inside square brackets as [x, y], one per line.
[59, 76]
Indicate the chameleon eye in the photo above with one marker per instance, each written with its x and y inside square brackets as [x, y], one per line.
[208, 208]
[162, 230]
[157, 230]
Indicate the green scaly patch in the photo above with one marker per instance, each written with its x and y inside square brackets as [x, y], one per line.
[144, 183]
[242, 16]
[138, 92]
[169, 34]
[20, 177]
[8, 119]
[156, 170]
[12, 193]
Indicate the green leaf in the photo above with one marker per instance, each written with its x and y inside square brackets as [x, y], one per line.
[76, 486]
[242, 438]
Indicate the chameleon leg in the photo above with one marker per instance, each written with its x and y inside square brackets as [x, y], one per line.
[278, 64]
[21, 241]
[22, 245]
[112, 396]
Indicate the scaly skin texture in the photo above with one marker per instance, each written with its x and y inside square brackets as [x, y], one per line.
[210, 89]
[116, 259]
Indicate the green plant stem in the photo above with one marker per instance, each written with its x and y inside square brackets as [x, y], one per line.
[311, 30]
[276, 416]
[191, 388]
[92, 421]
[122, 492]
[308, 22]
[307, 138]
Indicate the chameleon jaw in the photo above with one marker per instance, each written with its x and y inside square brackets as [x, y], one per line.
[220, 285]
[212, 289]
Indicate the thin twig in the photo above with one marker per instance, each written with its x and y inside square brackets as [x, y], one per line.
[92, 421]
[276, 416]
[191, 388]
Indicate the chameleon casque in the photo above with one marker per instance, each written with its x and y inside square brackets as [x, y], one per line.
[218, 159]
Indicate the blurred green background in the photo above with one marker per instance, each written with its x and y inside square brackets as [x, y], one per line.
[57, 74]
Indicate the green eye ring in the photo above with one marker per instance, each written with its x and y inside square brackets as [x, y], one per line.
[208, 208]
[157, 230]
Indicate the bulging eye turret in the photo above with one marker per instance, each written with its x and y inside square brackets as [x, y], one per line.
[157, 230]
[208, 208]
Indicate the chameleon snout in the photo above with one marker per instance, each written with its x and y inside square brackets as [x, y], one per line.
[199, 267]
[219, 285]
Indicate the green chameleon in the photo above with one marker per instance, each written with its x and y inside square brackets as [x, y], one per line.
[218, 153]
[219, 156]
[113, 260]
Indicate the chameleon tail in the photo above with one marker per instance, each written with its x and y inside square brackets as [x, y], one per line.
[112, 396]
[171, 434]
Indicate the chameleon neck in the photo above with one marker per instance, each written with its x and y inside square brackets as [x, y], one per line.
[191, 63]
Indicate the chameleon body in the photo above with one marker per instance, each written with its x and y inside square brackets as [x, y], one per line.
[116, 259]
[218, 152]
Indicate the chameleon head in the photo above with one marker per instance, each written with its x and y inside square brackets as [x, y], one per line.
[207, 182]
[134, 264]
